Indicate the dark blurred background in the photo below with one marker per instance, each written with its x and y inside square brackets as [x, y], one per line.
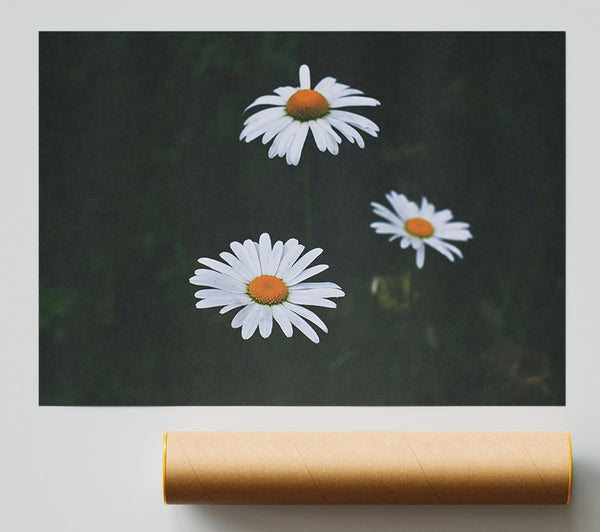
[142, 173]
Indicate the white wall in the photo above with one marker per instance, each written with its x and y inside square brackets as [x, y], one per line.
[98, 469]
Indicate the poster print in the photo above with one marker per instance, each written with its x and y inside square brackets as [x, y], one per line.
[302, 218]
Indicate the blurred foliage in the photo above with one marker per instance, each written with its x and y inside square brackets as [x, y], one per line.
[141, 173]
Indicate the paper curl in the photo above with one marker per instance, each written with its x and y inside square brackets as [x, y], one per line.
[367, 467]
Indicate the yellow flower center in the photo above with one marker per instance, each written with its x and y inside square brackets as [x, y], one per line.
[307, 104]
[268, 290]
[419, 227]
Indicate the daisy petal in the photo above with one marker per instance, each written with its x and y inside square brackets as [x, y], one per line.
[217, 280]
[324, 85]
[275, 258]
[420, 256]
[267, 100]
[306, 274]
[251, 322]
[265, 321]
[319, 135]
[302, 263]
[237, 265]
[282, 319]
[304, 327]
[295, 150]
[315, 292]
[353, 101]
[308, 314]
[304, 77]
[213, 302]
[291, 251]
[275, 127]
[348, 131]
[240, 317]
[264, 251]
[225, 269]
[253, 260]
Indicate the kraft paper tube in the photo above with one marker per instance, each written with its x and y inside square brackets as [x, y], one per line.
[367, 467]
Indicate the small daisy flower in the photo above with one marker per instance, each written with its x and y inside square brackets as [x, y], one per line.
[295, 110]
[267, 282]
[417, 226]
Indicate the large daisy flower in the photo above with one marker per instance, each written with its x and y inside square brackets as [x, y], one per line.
[417, 226]
[268, 283]
[295, 110]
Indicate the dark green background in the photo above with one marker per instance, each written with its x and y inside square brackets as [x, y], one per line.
[141, 173]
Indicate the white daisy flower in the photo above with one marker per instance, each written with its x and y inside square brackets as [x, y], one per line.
[295, 110]
[268, 283]
[417, 226]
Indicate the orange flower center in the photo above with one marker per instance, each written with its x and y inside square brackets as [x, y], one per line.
[307, 104]
[419, 227]
[268, 290]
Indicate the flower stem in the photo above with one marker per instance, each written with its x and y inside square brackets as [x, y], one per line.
[307, 202]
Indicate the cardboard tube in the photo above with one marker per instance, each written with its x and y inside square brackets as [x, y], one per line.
[367, 467]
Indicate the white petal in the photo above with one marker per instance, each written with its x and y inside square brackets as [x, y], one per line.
[295, 150]
[239, 318]
[322, 285]
[441, 217]
[214, 302]
[348, 131]
[406, 209]
[232, 306]
[440, 246]
[448, 248]
[222, 268]
[303, 326]
[324, 123]
[318, 135]
[304, 77]
[306, 274]
[273, 128]
[290, 274]
[285, 92]
[282, 140]
[265, 321]
[254, 261]
[420, 256]
[384, 212]
[306, 313]
[242, 255]
[304, 297]
[324, 84]
[339, 91]
[384, 228]
[291, 251]
[237, 265]
[267, 100]
[217, 280]
[286, 142]
[281, 317]
[405, 242]
[264, 116]
[333, 91]
[348, 101]
[359, 121]
[314, 292]
[454, 235]
[264, 251]
[251, 322]
[216, 293]
[275, 258]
